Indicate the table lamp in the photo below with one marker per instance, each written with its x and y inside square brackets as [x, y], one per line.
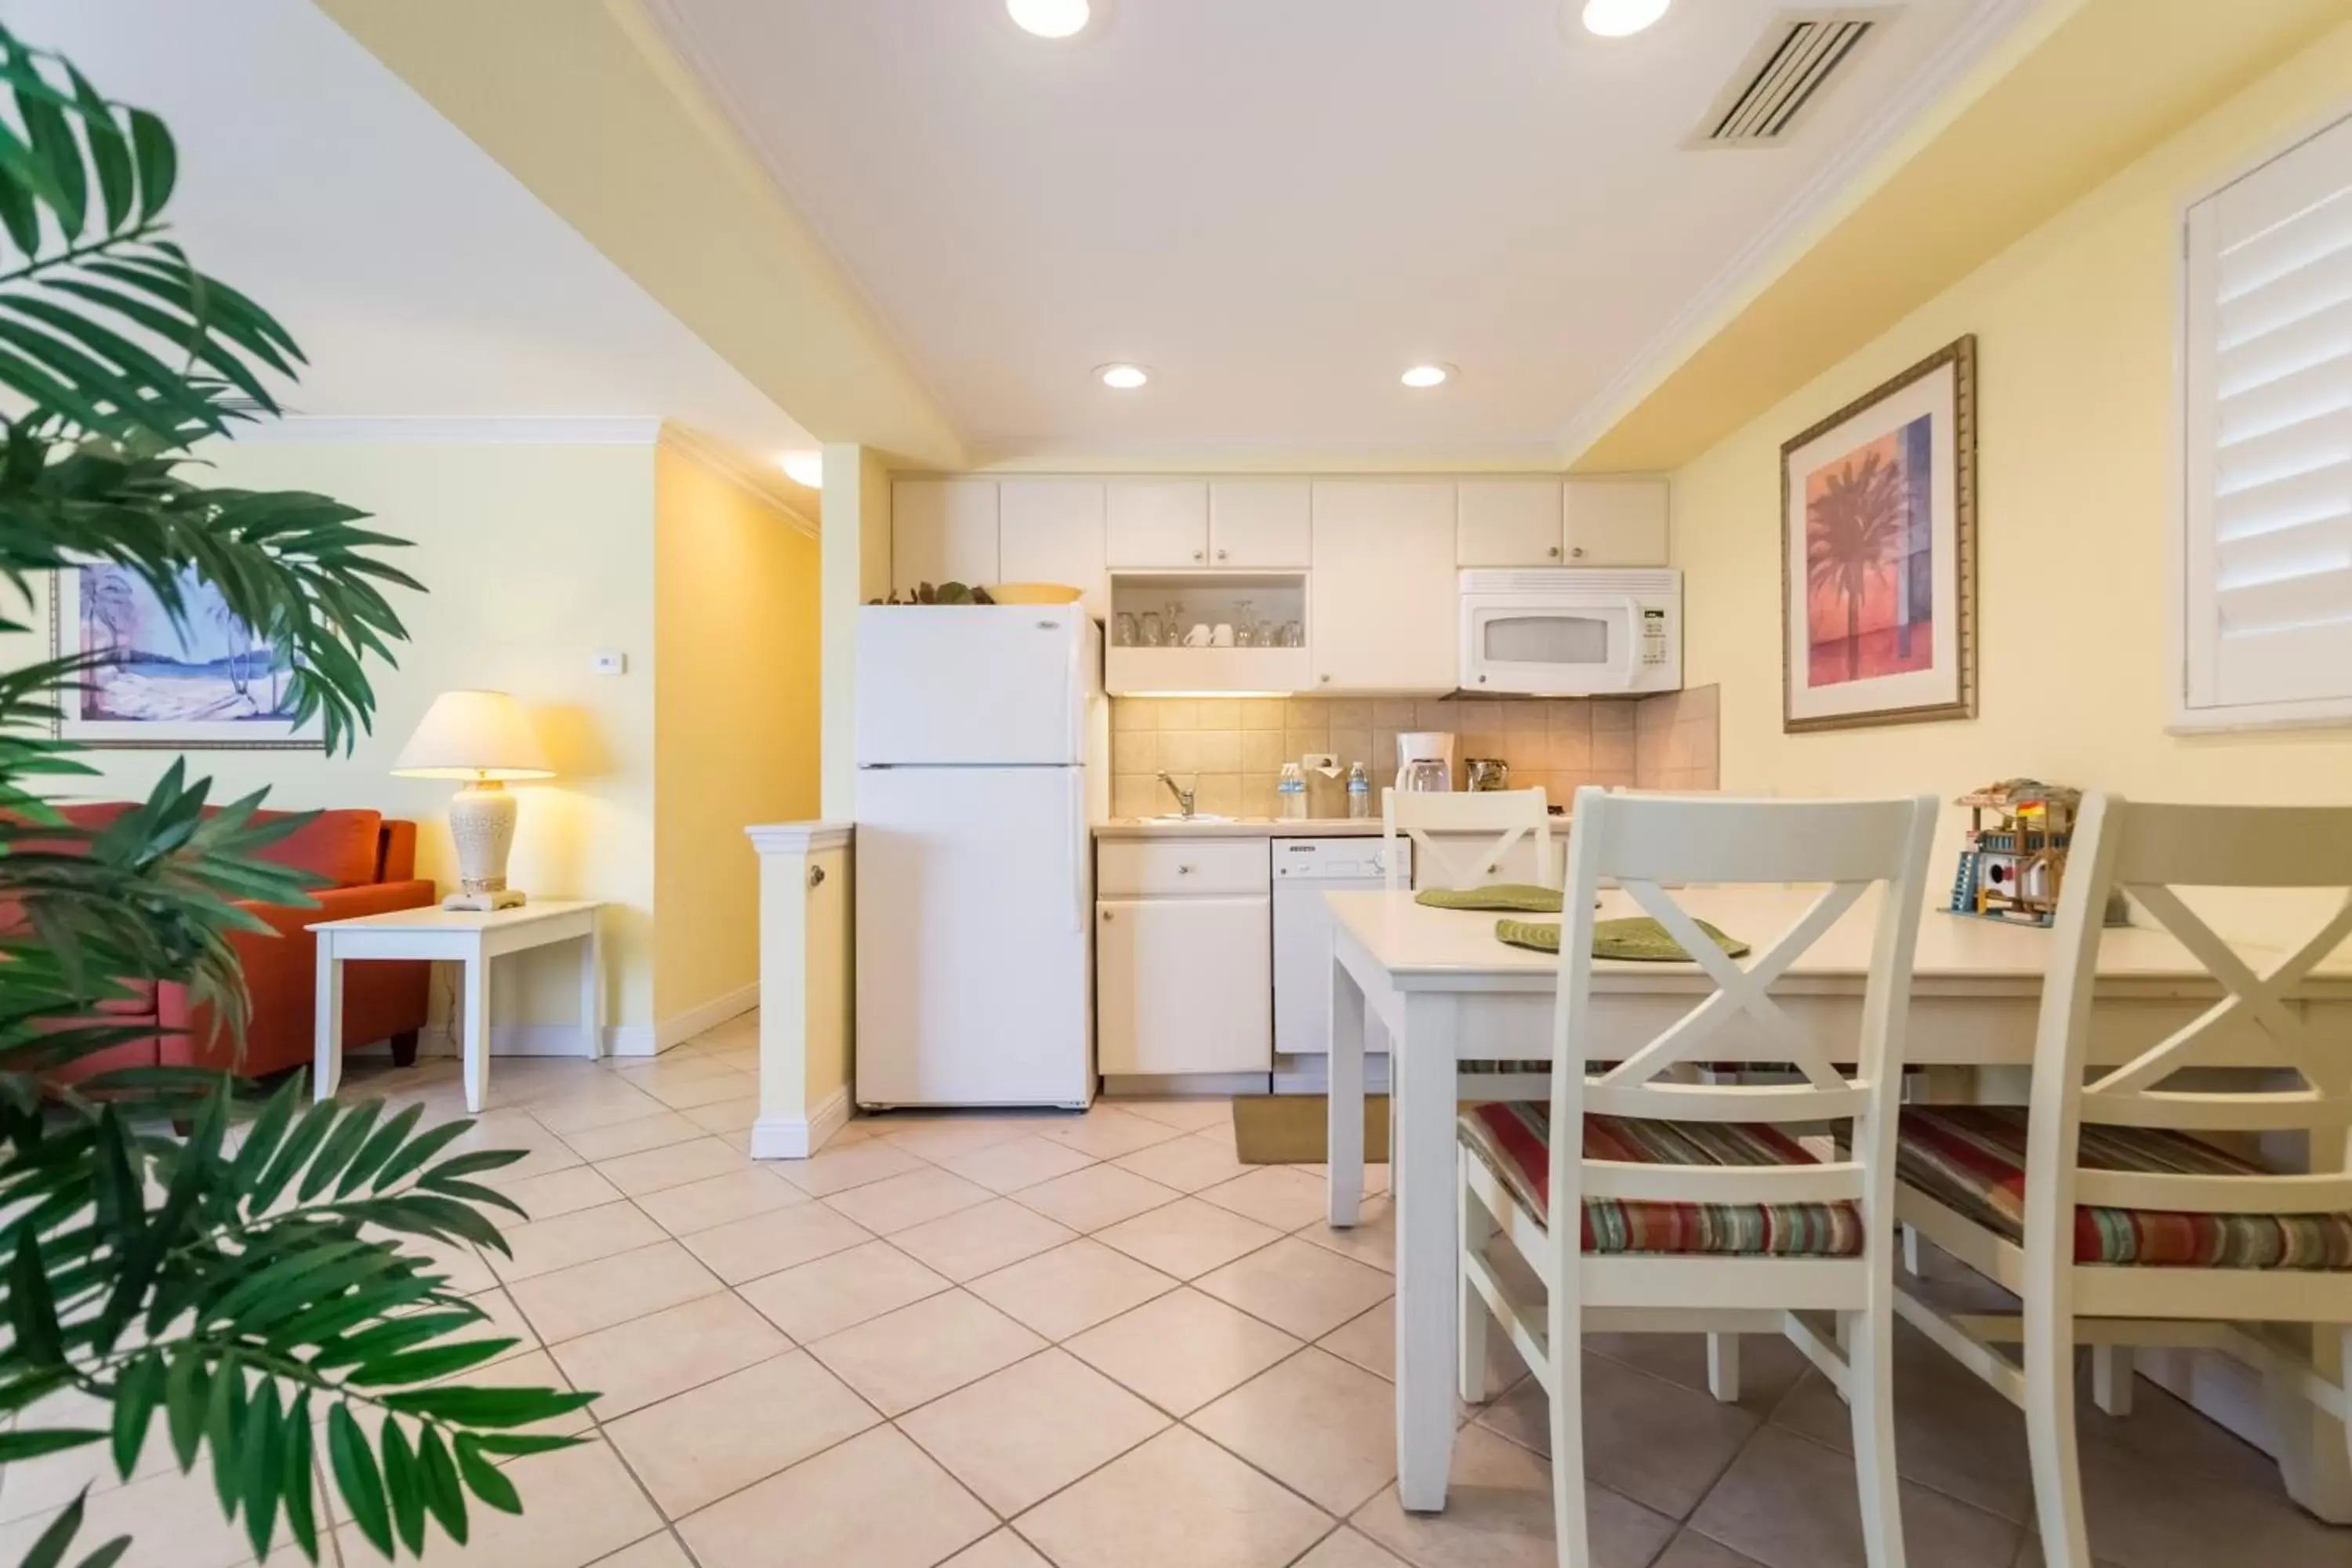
[483, 738]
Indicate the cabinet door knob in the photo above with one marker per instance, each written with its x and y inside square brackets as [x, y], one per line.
[816, 876]
[1196, 555]
[1220, 555]
[1553, 552]
[1325, 679]
[1578, 552]
[1105, 915]
[1184, 870]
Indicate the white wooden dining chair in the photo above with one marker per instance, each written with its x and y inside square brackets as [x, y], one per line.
[2099, 1205]
[1463, 859]
[1696, 1209]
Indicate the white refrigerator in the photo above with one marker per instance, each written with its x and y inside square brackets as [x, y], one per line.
[983, 735]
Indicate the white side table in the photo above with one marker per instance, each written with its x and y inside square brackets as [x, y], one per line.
[463, 936]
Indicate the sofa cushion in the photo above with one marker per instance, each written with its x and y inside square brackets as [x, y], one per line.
[1971, 1159]
[1513, 1139]
[340, 846]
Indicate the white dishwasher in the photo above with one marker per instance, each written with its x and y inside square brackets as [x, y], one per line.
[1304, 870]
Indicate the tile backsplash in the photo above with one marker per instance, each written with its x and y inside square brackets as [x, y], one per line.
[1235, 746]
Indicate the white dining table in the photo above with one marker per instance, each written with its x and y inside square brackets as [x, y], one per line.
[1434, 988]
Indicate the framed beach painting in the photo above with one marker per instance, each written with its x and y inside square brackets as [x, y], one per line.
[1878, 554]
[204, 681]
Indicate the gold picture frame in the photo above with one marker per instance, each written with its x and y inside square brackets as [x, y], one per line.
[1878, 558]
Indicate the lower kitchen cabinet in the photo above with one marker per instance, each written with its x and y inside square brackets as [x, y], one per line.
[1183, 985]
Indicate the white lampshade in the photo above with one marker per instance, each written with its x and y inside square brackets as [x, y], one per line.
[473, 736]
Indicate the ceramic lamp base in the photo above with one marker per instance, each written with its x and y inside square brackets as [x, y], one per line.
[484, 903]
[482, 824]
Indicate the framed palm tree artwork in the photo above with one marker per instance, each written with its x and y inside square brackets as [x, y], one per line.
[1878, 554]
[177, 674]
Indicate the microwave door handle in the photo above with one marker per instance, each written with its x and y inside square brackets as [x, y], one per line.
[1633, 654]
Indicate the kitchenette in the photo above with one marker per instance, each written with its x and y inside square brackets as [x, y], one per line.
[1097, 815]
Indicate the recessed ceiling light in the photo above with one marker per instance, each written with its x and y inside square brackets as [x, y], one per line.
[805, 468]
[1050, 18]
[1122, 377]
[1622, 18]
[1423, 376]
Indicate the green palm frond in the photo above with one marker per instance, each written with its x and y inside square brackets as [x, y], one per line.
[238, 1296]
[274, 1302]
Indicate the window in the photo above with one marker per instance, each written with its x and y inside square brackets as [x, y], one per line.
[2265, 548]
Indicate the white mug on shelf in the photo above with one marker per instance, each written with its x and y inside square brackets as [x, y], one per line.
[1222, 636]
[1199, 636]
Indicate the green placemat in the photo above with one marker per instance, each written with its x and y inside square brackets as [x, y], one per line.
[1637, 936]
[1522, 898]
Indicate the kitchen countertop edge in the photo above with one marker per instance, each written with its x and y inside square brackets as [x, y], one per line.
[1263, 828]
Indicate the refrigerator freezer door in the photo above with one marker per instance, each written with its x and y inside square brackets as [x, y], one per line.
[973, 893]
[971, 687]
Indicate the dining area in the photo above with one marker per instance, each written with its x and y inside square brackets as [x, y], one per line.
[1821, 1112]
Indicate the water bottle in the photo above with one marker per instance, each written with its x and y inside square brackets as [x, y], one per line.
[1293, 791]
[1360, 792]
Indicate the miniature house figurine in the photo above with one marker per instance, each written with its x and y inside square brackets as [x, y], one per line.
[2011, 868]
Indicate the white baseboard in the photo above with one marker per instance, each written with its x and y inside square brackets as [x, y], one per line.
[695, 1021]
[798, 1137]
[543, 1040]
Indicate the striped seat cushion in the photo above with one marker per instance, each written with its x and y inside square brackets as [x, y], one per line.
[1971, 1159]
[1512, 1140]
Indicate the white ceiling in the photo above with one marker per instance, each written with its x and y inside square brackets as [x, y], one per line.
[421, 279]
[1278, 205]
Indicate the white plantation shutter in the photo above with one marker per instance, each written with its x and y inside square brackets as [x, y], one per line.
[2267, 545]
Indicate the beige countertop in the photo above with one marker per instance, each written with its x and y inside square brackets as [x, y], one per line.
[1239, 828]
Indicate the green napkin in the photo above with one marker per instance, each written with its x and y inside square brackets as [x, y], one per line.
[1520, 896]
[1637, 936]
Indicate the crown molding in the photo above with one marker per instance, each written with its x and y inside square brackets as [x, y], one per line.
[564, 430]
[730, 465]
[1800, 221]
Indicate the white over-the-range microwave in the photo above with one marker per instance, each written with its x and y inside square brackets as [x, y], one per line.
[1573, 632]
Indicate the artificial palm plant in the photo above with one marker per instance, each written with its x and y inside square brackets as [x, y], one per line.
[250, 1283]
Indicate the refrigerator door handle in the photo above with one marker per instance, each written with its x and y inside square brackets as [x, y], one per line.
[1078, 850]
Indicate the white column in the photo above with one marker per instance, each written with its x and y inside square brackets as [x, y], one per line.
[804, 908]
[855, 552]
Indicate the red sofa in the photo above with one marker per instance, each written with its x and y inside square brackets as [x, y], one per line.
[372, 862]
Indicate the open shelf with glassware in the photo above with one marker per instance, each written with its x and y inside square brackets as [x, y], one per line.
[1172, 633]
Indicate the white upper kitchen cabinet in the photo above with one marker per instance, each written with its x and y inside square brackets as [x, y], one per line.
[1156, 523]
[1384, 601]
[1616, 523]
[1051, 530]
[1261, 523]
[943, 531]
[1508, 523]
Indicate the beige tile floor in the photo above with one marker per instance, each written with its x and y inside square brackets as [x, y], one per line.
[1101, 1341]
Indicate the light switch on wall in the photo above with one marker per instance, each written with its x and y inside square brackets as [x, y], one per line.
[608, 661]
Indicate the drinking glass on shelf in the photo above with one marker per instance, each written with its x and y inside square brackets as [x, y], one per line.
[1265, 636]
[1243, 625]
[1123, 629]
[1150, 629]
[1293, 635]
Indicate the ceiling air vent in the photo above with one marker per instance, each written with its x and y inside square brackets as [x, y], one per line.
[1784, 73]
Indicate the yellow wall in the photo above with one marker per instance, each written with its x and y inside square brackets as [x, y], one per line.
[735, 719]
[2076, 405]
[534, 557]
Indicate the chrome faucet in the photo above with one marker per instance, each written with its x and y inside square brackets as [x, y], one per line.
[1184, 796]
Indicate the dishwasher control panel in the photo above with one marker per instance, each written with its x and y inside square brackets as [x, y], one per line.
[1335, 859]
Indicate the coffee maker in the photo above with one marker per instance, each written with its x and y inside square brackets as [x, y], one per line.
[1426, 760]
